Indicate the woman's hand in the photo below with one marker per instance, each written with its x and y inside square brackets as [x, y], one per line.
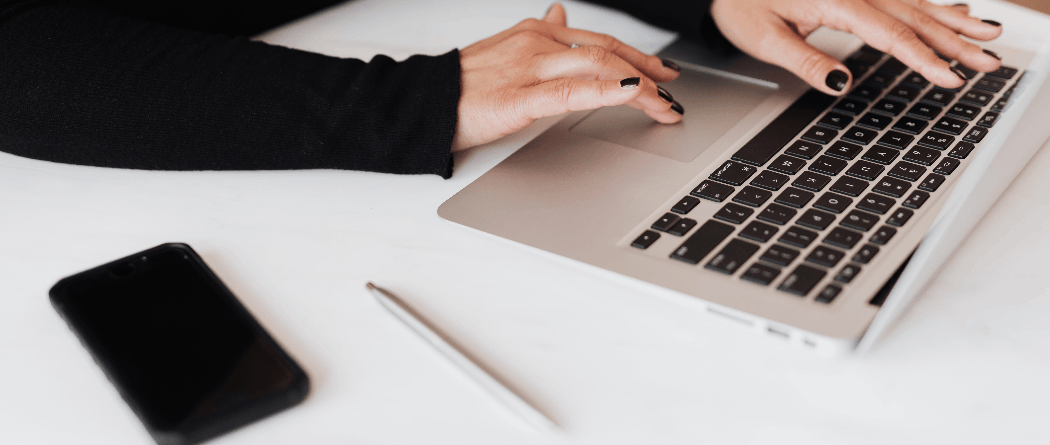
[532, 70]
[910, 30]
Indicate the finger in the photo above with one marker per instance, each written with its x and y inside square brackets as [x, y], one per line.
[939, 37]
[957, 18]
[890, 35]
[782, 46]
[564, 95]
[653, 67]
[595, 62]
[556, 15]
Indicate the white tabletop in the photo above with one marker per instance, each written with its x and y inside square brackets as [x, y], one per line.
[611, 361]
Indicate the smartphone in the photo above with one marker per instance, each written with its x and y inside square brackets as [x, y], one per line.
[186, 356]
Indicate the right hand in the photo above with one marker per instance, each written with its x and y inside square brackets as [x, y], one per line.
[530, 71]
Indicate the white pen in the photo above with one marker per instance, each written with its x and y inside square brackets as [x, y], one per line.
[447, 348]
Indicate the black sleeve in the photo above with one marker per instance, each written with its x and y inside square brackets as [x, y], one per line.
[88, 86]
[690, 18]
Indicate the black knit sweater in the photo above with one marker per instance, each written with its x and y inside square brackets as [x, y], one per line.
[176, 85]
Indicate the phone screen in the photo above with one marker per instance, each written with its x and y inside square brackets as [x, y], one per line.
[188, 358]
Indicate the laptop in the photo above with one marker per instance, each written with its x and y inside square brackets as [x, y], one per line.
[809, 218]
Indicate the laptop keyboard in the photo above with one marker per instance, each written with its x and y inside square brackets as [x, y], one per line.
[829, 182]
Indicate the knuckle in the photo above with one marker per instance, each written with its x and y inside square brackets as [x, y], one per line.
[811, 66]
[529, 23]
[598, 55]
[526, 37]
[899, 34]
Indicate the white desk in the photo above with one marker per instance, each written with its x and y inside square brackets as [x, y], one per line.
[610, 361]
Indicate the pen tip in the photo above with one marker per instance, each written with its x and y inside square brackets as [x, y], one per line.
[370, 286]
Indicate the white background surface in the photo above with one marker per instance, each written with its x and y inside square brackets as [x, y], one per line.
[612, 362]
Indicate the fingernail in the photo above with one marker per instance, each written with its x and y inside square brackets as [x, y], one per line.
[630, 82]
[959, 4]
[992, 53]
[992, 22]
[836, 80]
[959, 73]
[671, 65]
[664, 94]
[677, 107]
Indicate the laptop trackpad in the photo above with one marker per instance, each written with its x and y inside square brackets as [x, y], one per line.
[714, 102]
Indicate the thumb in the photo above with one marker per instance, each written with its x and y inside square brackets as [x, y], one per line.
[787, 49]
[555, 15]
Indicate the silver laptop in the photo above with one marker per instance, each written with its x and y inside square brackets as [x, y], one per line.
[809, 218]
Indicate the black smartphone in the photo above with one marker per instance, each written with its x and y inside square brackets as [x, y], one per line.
[182, 351]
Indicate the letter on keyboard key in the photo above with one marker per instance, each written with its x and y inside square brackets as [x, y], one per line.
[820, 135]
[843, 238]
[779, 255]
[733, 172]
[770, 180]
[759, 231]
[682, 227]
[752, 196]
[883, 235]
[713, 191]
[833, 202]
[646, 239]
[777, 214]
[848, 273]
[862, 136]
[685, 204]
[825, 256]
[804, 150]
[876, 203]
[798, 237]
[865, 170]
[900, 217]
[892, 187]
[760, 274]
[802, 280]
[811, 181]
[921, 155]
[849, 186]
[859, 220]
[828, 165]
[702, 242]
[665, 222]
[865, 254]
[732, 256]
[907, 170]
[816, 219]
[916, 199]
[828, 295]
[931, 182]
[734, 213]
[946, 166]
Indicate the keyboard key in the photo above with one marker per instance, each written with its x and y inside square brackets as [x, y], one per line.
[803, 149]
[847, 273]
[768, 142]
[798, 237]
[916, 199]
[828, 165]
[802, 280]
[713, 191]
[645, 240]
[811, 181]
[939, 98]
[865, 254]
[835, 120]
[816, 219]
[989, 119]
[866, 55]
[1000, 104]
[907, 170]
[856, 68]
[916, 80]
[1003, 72]
[734, 213]
[904, 93]
[975, 134]
[793, 197]
[770, 180]
[892, 187]
[989, 84]
[860, 135]
[777, 214]
[833, 202]
[760, 274]
[844, 150]
[896, 140]
[685, 204]
[752, 196]
[702, 242]
[819, 135]
[931, 182]
[779, 255]
[859, 220]
[849, 186]
[883, 235]
[828, 294]
[977, 97]
[890, 107]
[963, 111]
[866, 93]
[900, 217]
[732, 256]
[881, 155]
[925, 111]
[969, 72]
[893, 66]
[876, 203]
[936, 140]
[787, 164]
[682, 227]
[733, 172]
[843, 238]
[950, 126]
[880, 80]
[665, 222]
[875, 121]
[759, 231]
[910, 125]
[961, 150]
[865, 170]
[920, 155]
[825, 256]
[946, 166]
[850, 106]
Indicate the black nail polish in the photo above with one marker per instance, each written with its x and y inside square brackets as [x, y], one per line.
[677, 107]
[992, 22]
[664, 94]
[992, 53]
[836, 80]
[959, 73]
[630, 82]
[959, 4]
[671, 65]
